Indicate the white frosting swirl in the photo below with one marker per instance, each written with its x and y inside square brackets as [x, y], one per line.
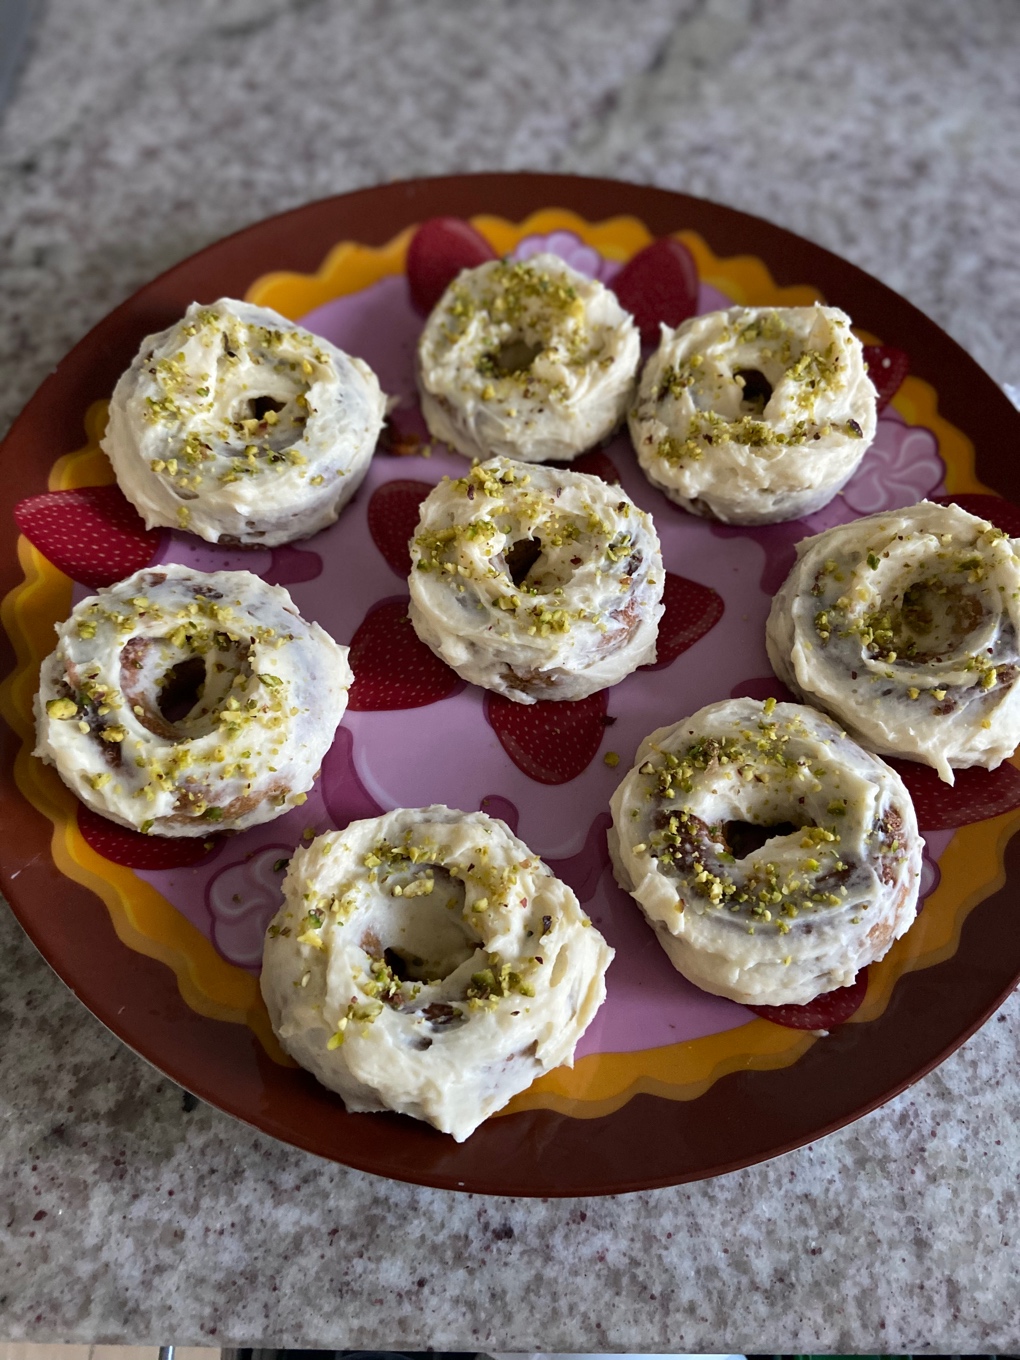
[904, 625]
[535, 582]
[755, 414]
[797, 916]
[181, 702]
[240, 426]
[526, 359]
[427, 962]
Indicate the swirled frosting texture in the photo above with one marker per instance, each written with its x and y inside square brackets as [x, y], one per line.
[528, 359]
[755, 415]
[781, 922]
[536, 582]
[238, 425]
[427, 962]
[904, 626]
[181, 702]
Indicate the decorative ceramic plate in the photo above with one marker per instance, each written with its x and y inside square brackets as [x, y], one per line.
[162, 939]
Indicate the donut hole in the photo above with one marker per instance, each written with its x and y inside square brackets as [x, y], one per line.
[269, 436]
[520, 557]
[936, 620]
[417, 924]
[514, 357]
[258, 406]
[227, 672]
[181, 688]
[271, 420]
[407, 969]
[177, 691]
[744, 838]
[542, 566]
[756, 390]
[695, 839]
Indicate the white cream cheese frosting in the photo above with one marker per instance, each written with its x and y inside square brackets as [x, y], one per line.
[427, 962]
[904, 626]
[755, 414]
[782, 922]
[529, 360]
[240, 426]
[180, 702]
[535, 582]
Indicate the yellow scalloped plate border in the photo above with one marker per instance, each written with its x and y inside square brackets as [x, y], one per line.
[971, 866]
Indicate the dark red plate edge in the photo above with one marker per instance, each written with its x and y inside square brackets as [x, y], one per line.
[727, 232]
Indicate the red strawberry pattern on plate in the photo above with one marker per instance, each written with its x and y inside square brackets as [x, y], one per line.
[393, 514]
[392, 666]
[595, 463]
[291, 565]
[825, 1012]
[124, 846]
[550, 742]
[439, 250]
[975, 796]
[691, 609]
[659, 286]
[1003, 514]
[887, 367]
[92, 534]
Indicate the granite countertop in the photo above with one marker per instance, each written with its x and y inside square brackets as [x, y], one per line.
[890, 134]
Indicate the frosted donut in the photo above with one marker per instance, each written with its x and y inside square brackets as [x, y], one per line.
[904, 626]
[755, 414]
[179, 702]
[427, 962]
[240, 426]
[535, 582]
[530, 360]
[797, 916]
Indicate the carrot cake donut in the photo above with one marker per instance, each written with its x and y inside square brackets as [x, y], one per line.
[526, 359]
[241, 427]
[772, 855]
[427, 962]
[904, 626]
[755, 414]
[536, 582]
[179, 702]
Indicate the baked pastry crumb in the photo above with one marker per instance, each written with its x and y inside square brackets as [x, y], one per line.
[534, 582]
[755, 415]
[528, 360]
[427, 962]
[180, 702]
[772, 856]
[241, 427]
[904, 625]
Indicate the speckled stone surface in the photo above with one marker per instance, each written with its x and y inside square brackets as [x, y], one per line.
[136, 134]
